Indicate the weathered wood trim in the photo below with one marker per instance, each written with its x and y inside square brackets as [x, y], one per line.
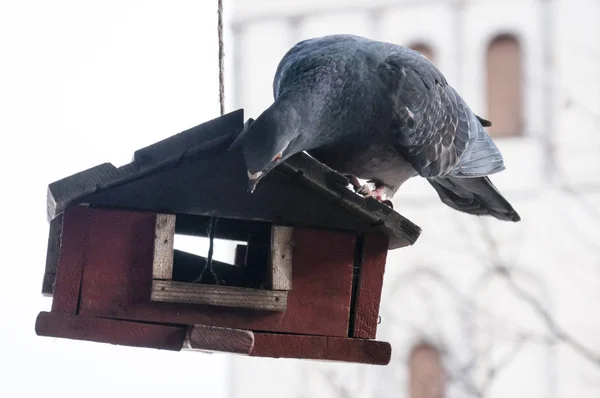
[216, 338]
[164, 235]
[322, 348]
[282, 246]
[112, 331]
[223, 296]
[52, 255]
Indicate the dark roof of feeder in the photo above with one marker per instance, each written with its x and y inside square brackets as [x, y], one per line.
[193, 172]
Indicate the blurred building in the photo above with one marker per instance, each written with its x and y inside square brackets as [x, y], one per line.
[478, 307]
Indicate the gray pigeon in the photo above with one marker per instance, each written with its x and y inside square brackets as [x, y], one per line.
[380, 112]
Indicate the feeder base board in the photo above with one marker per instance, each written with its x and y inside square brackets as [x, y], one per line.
[211, 338]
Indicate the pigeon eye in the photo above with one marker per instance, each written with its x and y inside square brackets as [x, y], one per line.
[277, 157]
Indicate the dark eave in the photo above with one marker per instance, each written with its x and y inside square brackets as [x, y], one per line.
[193, 172]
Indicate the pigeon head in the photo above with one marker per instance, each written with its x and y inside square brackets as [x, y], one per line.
[271, 139]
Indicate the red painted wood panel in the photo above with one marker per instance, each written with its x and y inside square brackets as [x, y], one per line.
[321, 347]
[71, 260]
[118, 276]
[366, 309]
[77, 327]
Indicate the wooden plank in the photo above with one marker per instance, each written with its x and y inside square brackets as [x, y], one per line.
[368, 296]
[101, 330]
[282, 245]
[358, 350]
[117, 280]
[221, 296]
[66, 190]
[215, 338]
[71, 260]
[164, 235]
[216, 134]
[210, 137]
[52, 254]
[321, 348]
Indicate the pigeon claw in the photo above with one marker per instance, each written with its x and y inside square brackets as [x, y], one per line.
[364, 190]
[367, 192]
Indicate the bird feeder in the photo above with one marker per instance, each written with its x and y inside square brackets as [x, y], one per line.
[305, 281]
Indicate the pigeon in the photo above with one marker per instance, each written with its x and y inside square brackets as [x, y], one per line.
[380, 112]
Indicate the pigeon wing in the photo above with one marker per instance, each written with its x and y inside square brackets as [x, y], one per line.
[433, 127]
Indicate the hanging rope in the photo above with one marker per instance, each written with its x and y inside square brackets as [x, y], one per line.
[221, 56]
[210, 232]
[212, 226]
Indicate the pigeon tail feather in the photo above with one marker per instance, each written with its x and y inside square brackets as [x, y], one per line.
[476, 196]
[482, 157]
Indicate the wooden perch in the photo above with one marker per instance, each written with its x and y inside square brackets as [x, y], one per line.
[223, 296]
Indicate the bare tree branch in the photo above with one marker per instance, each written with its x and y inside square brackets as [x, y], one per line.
[559, 333]
[494, 371]
[343, 390]
[551, 324]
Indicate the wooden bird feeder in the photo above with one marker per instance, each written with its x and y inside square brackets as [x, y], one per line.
[308, 270]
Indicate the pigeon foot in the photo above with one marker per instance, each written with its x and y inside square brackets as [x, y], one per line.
[361, 189]
[379, 195]
[366, 190]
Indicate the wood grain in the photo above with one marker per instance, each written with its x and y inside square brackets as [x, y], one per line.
[52, 255]
[368, 296]
[282, 246]
[164, 235]
[322, 348]
[101, 330]
[117, 280]
[71, 260]
[215, 338]
[221, 296]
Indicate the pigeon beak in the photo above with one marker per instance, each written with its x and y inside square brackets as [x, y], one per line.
[253, 179]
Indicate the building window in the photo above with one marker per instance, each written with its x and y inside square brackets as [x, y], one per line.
[504, 86]
[424, 49]
[427, 377]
